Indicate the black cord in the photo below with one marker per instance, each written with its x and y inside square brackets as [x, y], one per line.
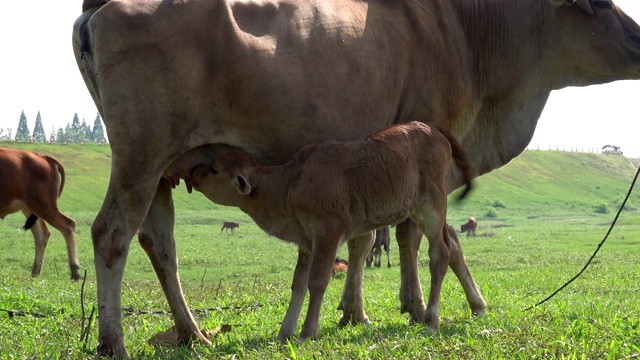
[597, 249]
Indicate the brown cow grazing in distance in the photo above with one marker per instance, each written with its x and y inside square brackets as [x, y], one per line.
[337, 191]
[32, 183]
[382, 241]
[470, 227]
[229, 225]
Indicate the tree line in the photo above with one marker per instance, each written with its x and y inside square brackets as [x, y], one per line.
[74, 133]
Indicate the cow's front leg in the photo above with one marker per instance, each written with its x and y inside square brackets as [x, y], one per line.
[409, 237]
[299, 288]
[459, 266]
[156, 238]
[352, 303]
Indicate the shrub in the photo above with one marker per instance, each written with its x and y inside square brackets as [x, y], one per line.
[602, 209]
[491, 213]
[493, 203]
[498, 204]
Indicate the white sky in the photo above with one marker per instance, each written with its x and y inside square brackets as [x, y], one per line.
[38, 73]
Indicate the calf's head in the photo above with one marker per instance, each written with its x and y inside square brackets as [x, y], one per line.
[225, 181]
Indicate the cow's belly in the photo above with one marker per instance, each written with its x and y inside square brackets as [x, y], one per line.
[12, 207]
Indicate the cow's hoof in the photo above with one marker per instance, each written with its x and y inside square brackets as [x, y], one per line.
[478, 313]
[115, 352]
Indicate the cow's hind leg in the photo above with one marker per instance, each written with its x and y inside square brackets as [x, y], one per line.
[459, 266]
[157, 239]
[299, 288]
[126, 204]
[67, 228]
[41, 236]
[352, 304]
[409, 237]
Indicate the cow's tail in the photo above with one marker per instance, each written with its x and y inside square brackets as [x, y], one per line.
[83, 51]
[461, 160]
[31, 220]
[89, 4]
[57, 166]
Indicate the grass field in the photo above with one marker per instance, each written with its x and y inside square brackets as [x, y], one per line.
[540, 219]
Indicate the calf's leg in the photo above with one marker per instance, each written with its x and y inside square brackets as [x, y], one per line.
[352, 304]
[299, 288]
[438, 264]
[459, 266]
[409, 237]
[324, 252]
[157, 240]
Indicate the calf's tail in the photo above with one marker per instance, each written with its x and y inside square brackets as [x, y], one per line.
[461, 160]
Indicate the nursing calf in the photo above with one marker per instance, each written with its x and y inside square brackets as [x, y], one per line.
[32, 183]
[336, 191]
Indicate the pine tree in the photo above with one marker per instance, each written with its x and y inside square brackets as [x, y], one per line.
[98, 130]
[85, 132]
[23, 134]
[52, 139]
[60, 136]
[38, 130]
[69, 134]
[75, 134]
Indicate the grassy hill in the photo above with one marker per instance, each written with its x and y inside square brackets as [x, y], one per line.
[539, 182]
[540, 218]
[552, 182]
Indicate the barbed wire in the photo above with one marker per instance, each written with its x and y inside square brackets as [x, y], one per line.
[130, 311]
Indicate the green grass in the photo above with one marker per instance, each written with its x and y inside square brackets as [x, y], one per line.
[544, 229]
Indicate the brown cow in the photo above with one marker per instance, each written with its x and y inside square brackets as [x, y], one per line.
[470, 227]
[339, 191]
[382, 241]
[229, 225]
[32, 183]
[202, 77]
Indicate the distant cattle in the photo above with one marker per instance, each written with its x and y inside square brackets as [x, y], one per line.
[229, 225]
[382, 241]
[470, 227]
[337, 191]
[340, 266]
[31, 183]
[203, 77]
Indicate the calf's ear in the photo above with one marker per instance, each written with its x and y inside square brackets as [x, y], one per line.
[242, 185]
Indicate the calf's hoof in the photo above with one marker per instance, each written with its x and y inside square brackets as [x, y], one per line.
[353, 320]
[75, 275]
